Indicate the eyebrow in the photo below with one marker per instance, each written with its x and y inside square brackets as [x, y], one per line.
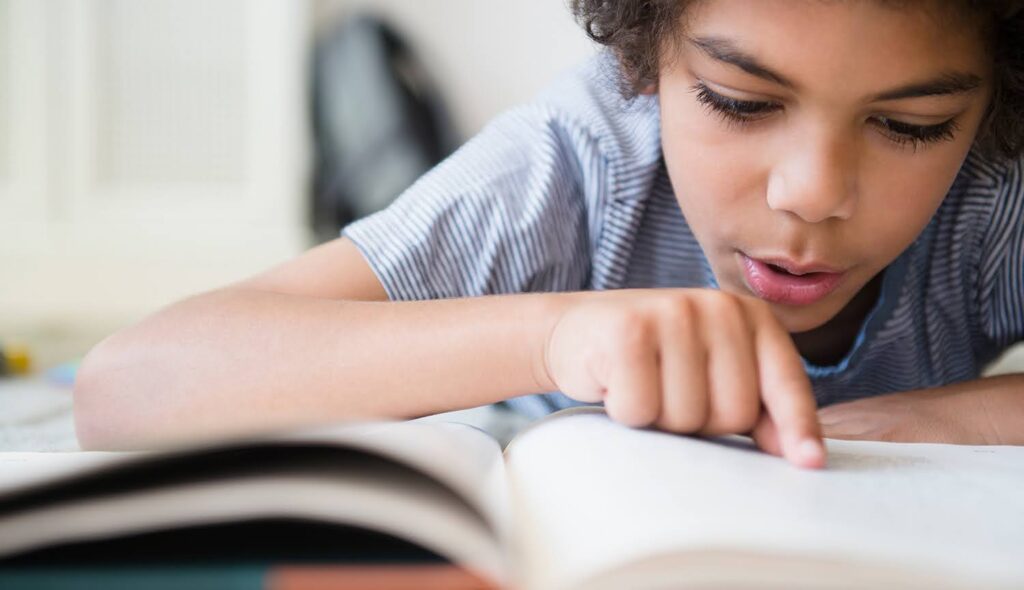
[726, 51]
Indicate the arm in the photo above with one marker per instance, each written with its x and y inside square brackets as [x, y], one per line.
[316, 340]
[310, 341]
[987, 411]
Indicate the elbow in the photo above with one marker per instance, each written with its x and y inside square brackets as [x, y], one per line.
[129, 393]
[100, 414]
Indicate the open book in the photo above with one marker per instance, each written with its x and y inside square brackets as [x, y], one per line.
[575, 501]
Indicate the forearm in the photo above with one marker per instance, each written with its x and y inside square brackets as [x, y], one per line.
[979, 412]
[236, 361]
[991, 408]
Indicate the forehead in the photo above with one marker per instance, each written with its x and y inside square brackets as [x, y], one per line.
[855, 43]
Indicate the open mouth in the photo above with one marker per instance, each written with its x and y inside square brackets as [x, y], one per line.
[783, 271]
[772, 282]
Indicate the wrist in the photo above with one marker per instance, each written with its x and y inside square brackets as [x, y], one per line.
[551, 309]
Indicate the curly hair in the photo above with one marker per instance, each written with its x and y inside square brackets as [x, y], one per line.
[636, 30]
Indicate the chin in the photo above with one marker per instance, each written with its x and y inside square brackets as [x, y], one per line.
[802, 319]
[802, 326]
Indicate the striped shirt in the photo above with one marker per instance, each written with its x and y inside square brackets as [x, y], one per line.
[570, 192]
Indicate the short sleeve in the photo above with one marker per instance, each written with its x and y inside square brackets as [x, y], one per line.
[1001, 276]
[506, 213]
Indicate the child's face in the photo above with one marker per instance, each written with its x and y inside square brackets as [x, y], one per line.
[813, 164]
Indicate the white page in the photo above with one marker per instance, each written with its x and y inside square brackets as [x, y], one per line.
[597, 495]
[395, 503]
[462, 457]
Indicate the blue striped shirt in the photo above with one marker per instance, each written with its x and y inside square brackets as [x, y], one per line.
[570, 192]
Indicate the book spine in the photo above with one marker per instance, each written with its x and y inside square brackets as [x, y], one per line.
[152, 578]
[246, 577]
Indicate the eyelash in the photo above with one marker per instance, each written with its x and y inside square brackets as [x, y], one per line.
[744, 112]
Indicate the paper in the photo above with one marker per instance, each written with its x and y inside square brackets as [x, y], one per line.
[598, 494]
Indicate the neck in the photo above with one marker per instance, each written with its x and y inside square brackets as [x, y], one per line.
[830, 342]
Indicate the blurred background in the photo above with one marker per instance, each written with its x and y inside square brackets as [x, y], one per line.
[150, 149]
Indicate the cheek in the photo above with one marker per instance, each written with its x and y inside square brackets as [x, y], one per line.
[715, 177]
[903, 195]
[720, 177]
[890, 230]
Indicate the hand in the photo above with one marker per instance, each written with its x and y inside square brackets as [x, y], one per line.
[914, 416]
[693, 361]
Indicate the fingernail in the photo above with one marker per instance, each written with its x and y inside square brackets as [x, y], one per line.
[810, 450]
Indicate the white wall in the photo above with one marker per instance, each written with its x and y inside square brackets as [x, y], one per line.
[152, 149]
[486, 55]
[66, 278]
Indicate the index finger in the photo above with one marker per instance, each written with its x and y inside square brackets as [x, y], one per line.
[786, 393]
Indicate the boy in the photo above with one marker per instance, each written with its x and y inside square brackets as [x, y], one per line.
[797, 208]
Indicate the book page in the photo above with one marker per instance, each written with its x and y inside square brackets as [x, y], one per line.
[596, 496]
[461, 458]
[387, 501]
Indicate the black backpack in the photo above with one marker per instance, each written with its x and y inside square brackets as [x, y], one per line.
[378, 123]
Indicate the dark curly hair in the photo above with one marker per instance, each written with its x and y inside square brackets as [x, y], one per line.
[636, 30]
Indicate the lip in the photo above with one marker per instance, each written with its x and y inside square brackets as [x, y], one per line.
[799, 269]
[809, 283]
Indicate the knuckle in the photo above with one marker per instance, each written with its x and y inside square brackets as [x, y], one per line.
[727, 312]
[676, 310]
[735, 410]
[733, 316]
[725, 304]
[632, 414]
[632, 329]
[740, 417]
[684, 412]
[688, 422]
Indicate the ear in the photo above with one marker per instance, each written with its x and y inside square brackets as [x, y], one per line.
[649, 89]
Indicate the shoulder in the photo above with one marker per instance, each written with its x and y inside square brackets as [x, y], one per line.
[991, 215]
[965, 250]
[578, 126]
[589, 94]
[983, 208]
[991, 199]
[1002, 243]
[996, 184]
[992, 173]
[584, 103]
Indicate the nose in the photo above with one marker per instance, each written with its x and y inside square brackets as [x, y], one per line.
[815, 180]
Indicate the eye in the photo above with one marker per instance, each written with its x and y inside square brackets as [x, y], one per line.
[731, 109]
[743, 112]
[916, 135]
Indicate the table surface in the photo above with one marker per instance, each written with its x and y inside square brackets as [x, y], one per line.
[36, 415]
